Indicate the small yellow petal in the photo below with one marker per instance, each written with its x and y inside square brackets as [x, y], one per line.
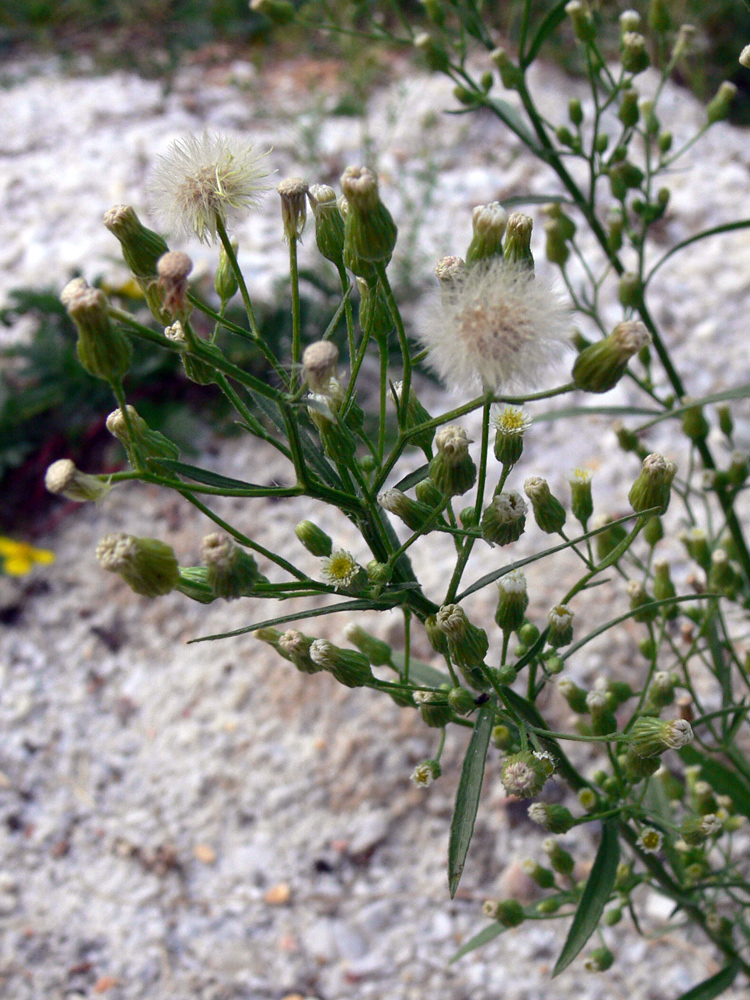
[17, 566]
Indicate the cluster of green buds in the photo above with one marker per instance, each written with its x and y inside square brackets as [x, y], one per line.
[489, 223]
[466, 644]
[103, 349]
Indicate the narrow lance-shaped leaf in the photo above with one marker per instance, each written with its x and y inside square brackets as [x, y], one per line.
[714, 986]
[467, 797]
[595, 896]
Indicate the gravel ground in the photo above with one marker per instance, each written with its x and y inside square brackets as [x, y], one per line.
[200, 821]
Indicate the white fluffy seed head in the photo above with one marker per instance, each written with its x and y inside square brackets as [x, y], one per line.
[206, 180]
[501, 327]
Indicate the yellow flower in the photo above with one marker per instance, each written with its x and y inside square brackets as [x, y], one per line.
[18, 558]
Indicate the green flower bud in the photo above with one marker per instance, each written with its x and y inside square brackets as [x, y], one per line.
[630, 20]
[661, 690]
[416, 415]
[315, 540]
[468, 518]
[193, 583]
[378, 574]
[722, 577]
[196, 369]
[696, 542]
[600, 367]
[452, 469]
[518, 240]
[582, 504]
[413, 513]
[232, 572]
[556, 249]
[434, 708]
[147, 565]
[428, 493]
[552, 817]
[464, 95]
[560, 621]
[653, 486]
[141, 247]
[653, 531]
[637, 767]
[104, 351]
[507, 912]
[664, 588]
[350, 668]
[603, 720]
[461, 701]
[633, 53]
[575, 111]
[544, 877]
[510, 74]
[553, 664]
[511, 423]
[137, 438]
[467, 644]
[513, 600]
[488, 223]
[739, 463]
[698, 829]
[718, 108]
[524, 774]
[329, 223]
[504, 518]
[694, 424]
[726, 423]
[583, 23]
[437, 637]
[501, 737]
[639, 601]
[630, 291]
[599, 960]
[377, 652]
[369, 229]
[64, 479]
[628, 440]
[278, 12]
[629, 111]
[575, 696]
[613, 917]
[608, 540]
[651, 737]
[547, 907]
[658, 16]
[225, 280]
[588, 799]
[528, 634]
[549, 513]
[296, 647]
[293, 194]
[562, 862]
[434, 55]
[665, 142]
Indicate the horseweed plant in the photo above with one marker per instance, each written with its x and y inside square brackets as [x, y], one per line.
[670, 788]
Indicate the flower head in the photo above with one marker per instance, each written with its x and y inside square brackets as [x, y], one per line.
[341, 570]
[206, 181]
[500, 327]
[650, 840]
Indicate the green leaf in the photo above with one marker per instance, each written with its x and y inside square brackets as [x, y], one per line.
[507, 113]
[605, 411]
[726, 227]
[554, 18]
[413, 478]
[721, 779]
[467, 796]
[595, 896]
[531, 714]
[739, 392]
[714, 986]
[210, 478]
[419, 673]
[357, 605]
[487, 934]
[536, 199]
[497, 573]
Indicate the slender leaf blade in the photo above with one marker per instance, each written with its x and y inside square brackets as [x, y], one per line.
[487, 934]
[413, 478]
[356, 605]
[207, 477]
[714, 986]
[467, 796]
[548, 25]
[419, 672]
[723, 780]
[595, 896]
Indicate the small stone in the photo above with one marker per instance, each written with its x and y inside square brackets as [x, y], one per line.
[104, 983]
[205, 853]
[278, 895]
